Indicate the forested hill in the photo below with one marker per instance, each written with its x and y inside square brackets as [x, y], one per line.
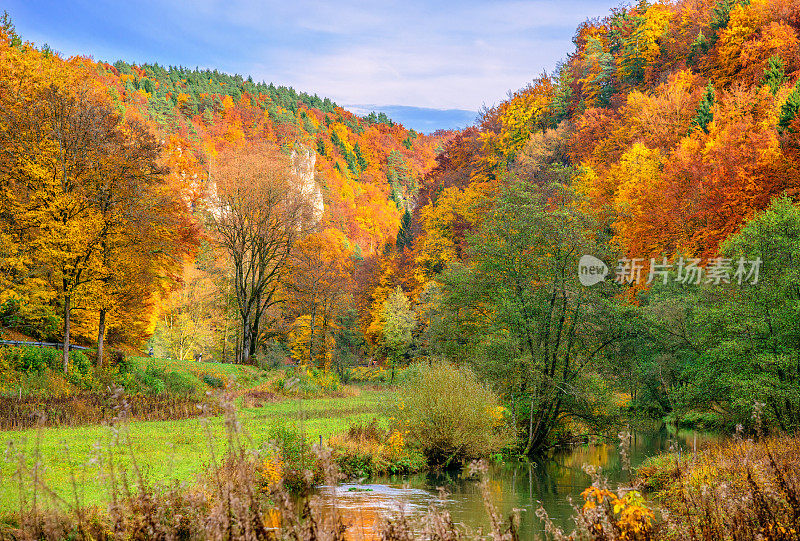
[368, 171]
[368, 167]
[675, 121]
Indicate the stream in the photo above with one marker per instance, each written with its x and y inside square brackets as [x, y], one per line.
[514, 484]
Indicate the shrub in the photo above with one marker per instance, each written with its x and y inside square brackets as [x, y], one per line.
[52, 358]
[80, 362]
[369, 449]
[451, 415]
[120, 360]
[273, 356]
[736, 489]
[213, 381]
[152, 378]
[179, 383]
[289, 448]
[31, 358]
[308, 382]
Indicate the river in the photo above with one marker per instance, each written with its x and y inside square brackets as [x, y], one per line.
[513, 484]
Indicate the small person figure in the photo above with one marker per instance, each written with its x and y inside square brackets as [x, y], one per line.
[150, 352]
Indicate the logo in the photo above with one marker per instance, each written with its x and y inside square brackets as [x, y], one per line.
[591, 270]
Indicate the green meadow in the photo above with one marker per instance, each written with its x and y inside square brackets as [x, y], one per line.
[163, 451]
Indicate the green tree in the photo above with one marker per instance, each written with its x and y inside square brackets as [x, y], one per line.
[397, 324]
[405, 236]
[775, 74]
[520, 312]
[749, 331]
[789, 109]
[698, 48]
[349, 342]
[705, 110]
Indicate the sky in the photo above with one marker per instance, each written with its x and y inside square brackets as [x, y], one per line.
[429, 65]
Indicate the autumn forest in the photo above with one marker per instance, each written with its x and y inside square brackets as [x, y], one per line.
[196, 245]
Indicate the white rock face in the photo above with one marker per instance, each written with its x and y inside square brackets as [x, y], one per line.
[303, 163]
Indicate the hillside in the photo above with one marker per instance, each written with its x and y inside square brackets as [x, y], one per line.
[366, 171]
[675, 121]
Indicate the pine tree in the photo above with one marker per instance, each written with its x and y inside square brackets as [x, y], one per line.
[789, 109]
[699, 48]
[405, 235]
[775, 74]
[705, 111]
[362, 163]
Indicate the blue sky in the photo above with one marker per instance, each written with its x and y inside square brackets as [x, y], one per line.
[450, 56]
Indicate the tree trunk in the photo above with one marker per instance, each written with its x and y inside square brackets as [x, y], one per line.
[67, 310]
[248, 339]
[311, 337]
[101, 334]
[529, 444]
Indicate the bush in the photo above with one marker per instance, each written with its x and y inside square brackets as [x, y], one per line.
[179, 383]
[308, 382]
[213, 381]
[292, 454]
[79, 362]
[273, 356]
[152, 378]
[450, 415]
[32, 359]
[120, 360]
[369, 449]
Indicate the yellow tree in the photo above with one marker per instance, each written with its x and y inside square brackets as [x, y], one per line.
[320, 275]
[63, 141]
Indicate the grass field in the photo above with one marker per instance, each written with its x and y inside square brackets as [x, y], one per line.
[165, 450]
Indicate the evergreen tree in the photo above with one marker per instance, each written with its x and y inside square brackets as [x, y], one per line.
[699, 48]
[362, 163]
[719, 18]
[775, 74]
[789, 109]
[405, 236]
[705, 111]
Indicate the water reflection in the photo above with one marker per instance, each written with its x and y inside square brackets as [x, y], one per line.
[553, 481]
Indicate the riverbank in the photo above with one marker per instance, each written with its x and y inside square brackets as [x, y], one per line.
[737, 489]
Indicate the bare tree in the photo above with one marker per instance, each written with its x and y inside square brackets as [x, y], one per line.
[260, 213]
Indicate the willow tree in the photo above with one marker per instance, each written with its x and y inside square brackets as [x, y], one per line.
[260, 213]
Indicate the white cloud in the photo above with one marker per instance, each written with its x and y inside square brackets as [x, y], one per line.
[442, 54]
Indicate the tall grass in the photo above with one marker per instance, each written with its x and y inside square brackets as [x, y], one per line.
[742, 489]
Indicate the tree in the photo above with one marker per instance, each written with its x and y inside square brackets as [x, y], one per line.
[518, 311]
[319, 276]
[775, 74]
[78, 172]
[349, 341]
[705, 110]
[749, 334]
[405, 236]
[397, 324]
[789, 109]
[258, 216]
